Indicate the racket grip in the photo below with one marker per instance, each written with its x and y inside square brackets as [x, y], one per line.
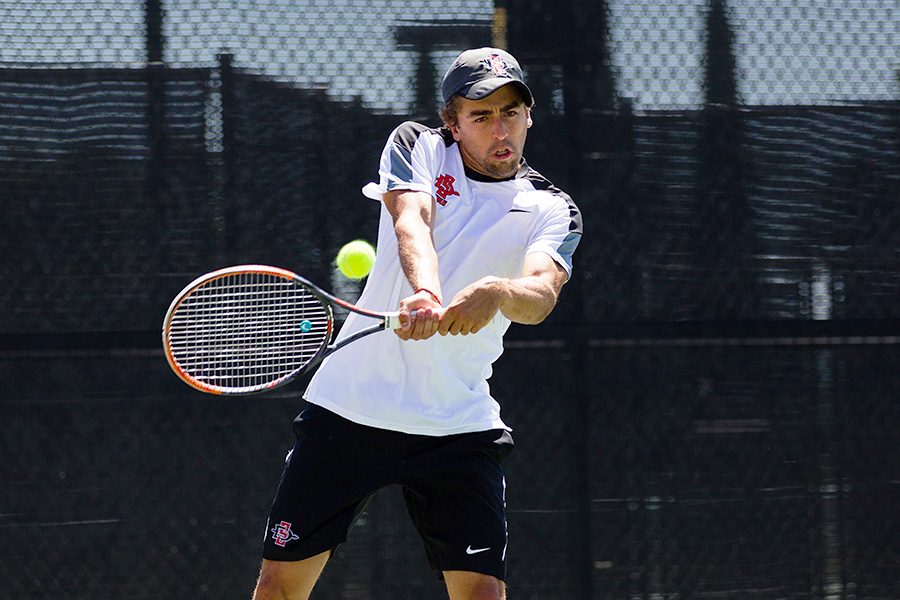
[392, 320]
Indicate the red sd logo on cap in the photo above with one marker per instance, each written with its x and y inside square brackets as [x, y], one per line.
[498, 66]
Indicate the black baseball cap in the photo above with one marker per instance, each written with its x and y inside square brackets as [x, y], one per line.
[478, 73]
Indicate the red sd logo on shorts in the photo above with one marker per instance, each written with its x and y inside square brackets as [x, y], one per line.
[282, 534]
[443, 187]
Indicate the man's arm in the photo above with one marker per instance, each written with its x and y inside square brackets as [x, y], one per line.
[526, 299]
[413, 216]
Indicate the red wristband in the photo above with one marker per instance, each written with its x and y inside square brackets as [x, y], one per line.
[430, 293]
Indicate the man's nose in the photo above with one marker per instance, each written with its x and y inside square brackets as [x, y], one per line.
[500, 130]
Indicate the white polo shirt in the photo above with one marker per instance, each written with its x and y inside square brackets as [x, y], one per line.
[439, 386]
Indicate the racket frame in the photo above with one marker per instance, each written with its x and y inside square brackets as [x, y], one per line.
[387, 320]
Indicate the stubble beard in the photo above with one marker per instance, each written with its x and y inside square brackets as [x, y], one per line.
[502, 169]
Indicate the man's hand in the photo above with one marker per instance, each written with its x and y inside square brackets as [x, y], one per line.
[527, 299]
[472, 308]
[420, 316]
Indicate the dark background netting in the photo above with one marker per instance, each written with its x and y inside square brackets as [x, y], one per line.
[710, 412]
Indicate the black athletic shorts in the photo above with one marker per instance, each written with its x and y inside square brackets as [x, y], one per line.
[453, 486]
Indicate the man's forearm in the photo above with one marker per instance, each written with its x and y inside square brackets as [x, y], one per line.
[526, 300]
[418, 258]
[413, 217]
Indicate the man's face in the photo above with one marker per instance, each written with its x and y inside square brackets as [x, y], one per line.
[491, 132]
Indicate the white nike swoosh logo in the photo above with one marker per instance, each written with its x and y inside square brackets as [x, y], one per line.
[471, 550]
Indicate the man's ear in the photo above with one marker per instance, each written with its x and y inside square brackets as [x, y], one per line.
[454, 131]
[528, 121]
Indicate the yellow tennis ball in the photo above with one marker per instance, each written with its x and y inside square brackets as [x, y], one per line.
[355, 259]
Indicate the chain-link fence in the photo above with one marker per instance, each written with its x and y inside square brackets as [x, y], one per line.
[711, 410]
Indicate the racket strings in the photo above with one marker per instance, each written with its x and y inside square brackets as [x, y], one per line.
[247, 330]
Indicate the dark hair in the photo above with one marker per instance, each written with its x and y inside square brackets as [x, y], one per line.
[448, 112]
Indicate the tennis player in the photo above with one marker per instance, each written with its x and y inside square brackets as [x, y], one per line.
[470, 239]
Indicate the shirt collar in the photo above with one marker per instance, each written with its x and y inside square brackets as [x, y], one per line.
[476, 176]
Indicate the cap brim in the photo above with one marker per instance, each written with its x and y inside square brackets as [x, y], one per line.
[486, 87]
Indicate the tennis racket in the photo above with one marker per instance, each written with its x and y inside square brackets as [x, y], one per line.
[253, 328]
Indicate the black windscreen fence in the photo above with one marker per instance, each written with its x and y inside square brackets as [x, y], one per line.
[710, 412]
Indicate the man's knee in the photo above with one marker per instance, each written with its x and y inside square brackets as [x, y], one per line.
[289, 580]
[486, 593]
[463, 585]
[269, 587]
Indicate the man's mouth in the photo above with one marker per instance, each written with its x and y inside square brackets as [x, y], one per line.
[503, 154]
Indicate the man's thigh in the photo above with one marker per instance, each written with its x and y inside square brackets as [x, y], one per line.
[328, 478]
[455, 495]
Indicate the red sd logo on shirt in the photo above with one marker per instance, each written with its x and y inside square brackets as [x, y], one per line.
[443, 187]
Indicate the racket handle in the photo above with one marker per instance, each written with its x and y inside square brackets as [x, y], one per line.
[392, 320]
